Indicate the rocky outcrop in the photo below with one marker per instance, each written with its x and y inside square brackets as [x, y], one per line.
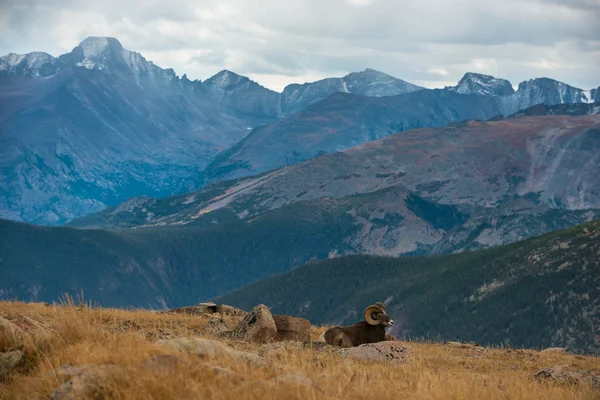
[382, 351]
[561, 375]
[292, 328]
[258, 326]
[200, 309]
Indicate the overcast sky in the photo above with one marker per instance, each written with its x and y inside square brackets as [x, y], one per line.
[276, 42]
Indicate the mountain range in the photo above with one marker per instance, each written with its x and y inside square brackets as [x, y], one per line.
[101, 124]
[467, 186]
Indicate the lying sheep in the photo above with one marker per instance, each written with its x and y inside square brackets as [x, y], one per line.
[371, 330]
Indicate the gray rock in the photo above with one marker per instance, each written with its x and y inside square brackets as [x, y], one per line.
[200, 309]
[257, 326]
[570, 377]
[9, 362]
[382, 351]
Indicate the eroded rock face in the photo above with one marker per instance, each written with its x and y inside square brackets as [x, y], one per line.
[383, 351]
[292, 328]
[258, 326]
[570, 377]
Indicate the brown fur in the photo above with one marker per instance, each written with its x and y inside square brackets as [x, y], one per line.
[359, 333]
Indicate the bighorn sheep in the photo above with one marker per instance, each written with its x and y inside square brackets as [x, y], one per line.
[371, 330]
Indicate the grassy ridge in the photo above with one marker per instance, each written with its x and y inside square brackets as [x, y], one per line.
[122, 342]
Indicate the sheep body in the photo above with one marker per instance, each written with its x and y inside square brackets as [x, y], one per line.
[371, 330]
[355, 335]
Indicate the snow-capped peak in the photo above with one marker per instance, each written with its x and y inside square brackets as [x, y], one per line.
[487, 85]
[108, 53]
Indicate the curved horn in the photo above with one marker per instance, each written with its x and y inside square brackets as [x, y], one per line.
[368, 314]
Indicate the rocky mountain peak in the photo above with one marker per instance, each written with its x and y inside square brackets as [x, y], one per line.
[94, 47]
[38, 64]
[487, 85]
[225, 79]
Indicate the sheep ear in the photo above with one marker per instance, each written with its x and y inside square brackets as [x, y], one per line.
[381, 305]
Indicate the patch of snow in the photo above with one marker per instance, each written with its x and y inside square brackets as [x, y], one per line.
[344, 87]
[586, 96]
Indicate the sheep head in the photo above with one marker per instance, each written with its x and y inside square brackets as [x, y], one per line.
[376, 315]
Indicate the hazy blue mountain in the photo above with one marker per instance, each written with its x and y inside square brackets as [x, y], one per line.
[468, 185]
[101, 124]
[369, 82]
[343, 120]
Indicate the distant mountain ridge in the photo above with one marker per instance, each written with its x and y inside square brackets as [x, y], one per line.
[101, 124]
[468, 185]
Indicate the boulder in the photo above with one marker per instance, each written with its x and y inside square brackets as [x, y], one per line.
[9, 362]
[570, 377]
[215, 327]
[257, 326]
[292, 328]
[224, 309]
[383, 351]
[200, 309]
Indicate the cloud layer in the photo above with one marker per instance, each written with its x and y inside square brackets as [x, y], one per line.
[429, 42]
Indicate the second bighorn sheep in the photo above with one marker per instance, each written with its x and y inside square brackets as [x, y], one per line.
[371, 330]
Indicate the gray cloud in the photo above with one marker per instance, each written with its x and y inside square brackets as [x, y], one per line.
[429, 42]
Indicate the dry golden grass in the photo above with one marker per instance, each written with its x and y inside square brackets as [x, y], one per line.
[82, 335]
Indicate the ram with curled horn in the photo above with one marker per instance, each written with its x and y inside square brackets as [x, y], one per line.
[371, 330]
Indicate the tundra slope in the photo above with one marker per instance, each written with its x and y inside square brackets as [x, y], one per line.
[468, 185]
[542, 292]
